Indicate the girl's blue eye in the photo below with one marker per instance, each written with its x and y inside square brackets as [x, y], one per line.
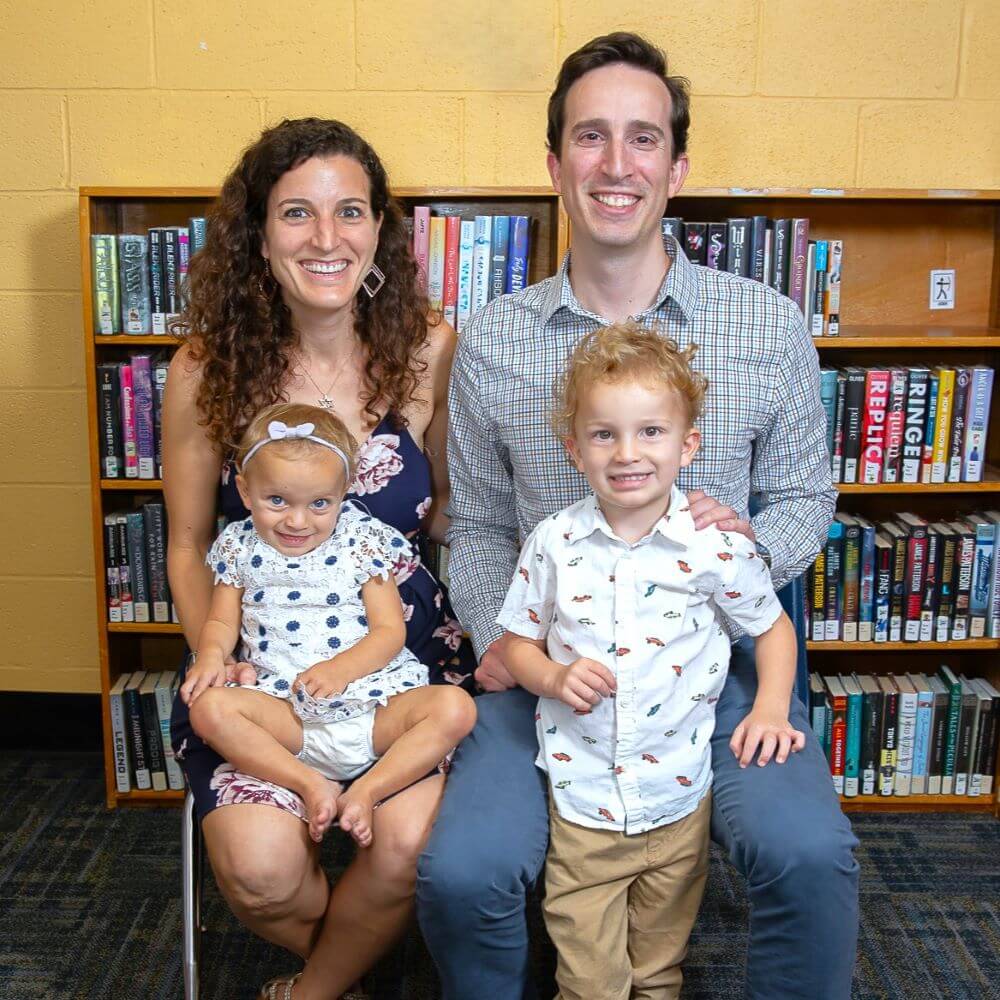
[275, 501]
[320, 504]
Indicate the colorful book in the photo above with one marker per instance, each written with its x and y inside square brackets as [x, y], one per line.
[452, 234]
[133, 276]
[482, 242]
[164, 693]
[888, 736]
[894, 420]
[922, 733]
[105, 284]
[942, 424]
[831, 307]
[517, 253]
[913, 427]
[466, 247]
[797, 262]
[499, 249]
[838, 739]
[956, 436]
[142, 389]
[422, 241]
[949, 776]
[435, 263]
[779, 258]
[852, 741]
[715, 254]
[977, 418]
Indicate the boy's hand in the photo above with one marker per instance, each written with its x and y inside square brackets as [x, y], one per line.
[583, 684]
[207, 671]
[322, 680]
[770, 730]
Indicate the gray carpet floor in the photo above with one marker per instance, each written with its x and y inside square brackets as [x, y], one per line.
[90, 906]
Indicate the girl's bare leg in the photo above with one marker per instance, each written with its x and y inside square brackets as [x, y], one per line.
[411, 735]
[260, 734]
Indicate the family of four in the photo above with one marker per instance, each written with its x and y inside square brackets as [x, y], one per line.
[588, 449]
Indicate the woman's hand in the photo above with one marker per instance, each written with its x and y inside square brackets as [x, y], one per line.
[207, 671]
[768, 729]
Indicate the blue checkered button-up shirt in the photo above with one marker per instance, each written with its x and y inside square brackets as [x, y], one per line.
[763, 429]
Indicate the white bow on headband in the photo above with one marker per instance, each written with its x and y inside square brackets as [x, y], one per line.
[278, 430]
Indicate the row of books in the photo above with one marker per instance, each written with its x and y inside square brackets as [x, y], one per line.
[140, 705]
[906, 580]
[466, 263]
[776, 252]
[907, 425]
[135, 562]
[129, 410]
[907, 735]
[138, 280]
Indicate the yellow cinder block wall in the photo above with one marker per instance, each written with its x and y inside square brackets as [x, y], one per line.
[874, 93]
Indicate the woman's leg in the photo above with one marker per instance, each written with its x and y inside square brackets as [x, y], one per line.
[411, 736]
[268, 870]
[372, 902]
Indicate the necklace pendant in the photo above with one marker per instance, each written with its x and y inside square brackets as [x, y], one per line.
[325, 402]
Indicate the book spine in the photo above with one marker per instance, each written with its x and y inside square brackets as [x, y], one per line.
[838, 741]
[137, 564]
[119, 740]
[993, 616]
[133, 268]
[956, 438]
[140, 760]
[883, 591]
[866, 586]
[517, 257]
[797, 262]
[964, 560]
[160, 371]
[894, 420]
[819, 287]
[851, 582]
[155, 540]
[854, 404]
[130, 454]
[809, 293]
[466, 245]
[938, 743]
[916, 565]
[831, 307]
[818, 614]
[982, 579]
[897, 602]
[483, 240]
[942, 424]
[832, 603]
[673, 227]
[183, 263]
[946, 587]
[758, 238]
[715, 256]
[837, 453]
[782, 244]
[422, 240]
[142, 389]
[828, 397]
[976, 422]
[873, 425]
[928, 600]
[452, 232]
[106, 284]
[951, 744]
[696, 242]
[499, 248]
[738, 247]
[198, 230]
[157, 291]
[913, 427]
[963, 743]
[852, 746]
[164, 705]
[986, 750]
[435, 264]
[112, 574]
[124, 570]
[154, 742]
[109, 410]
[869, 741]
[904, 756]
[887, 749]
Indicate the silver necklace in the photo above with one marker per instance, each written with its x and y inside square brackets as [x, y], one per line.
[324, 397]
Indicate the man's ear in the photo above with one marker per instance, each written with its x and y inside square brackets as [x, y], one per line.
[555, 171]
[678, 173]
[692, 442]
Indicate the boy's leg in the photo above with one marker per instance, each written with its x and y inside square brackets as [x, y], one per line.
[261, 734]
[486, 849]
[587, 878]
[410, 736]
[782, 827]
[663, 904]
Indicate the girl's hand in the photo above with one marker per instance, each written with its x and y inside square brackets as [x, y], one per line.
[771, 731]
[240, 673]
[583, 684]
[207, 671]
[322, 680]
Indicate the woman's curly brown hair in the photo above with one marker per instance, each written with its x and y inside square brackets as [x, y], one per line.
[241, 334]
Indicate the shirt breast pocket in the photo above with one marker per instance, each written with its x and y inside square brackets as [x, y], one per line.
[664, 618]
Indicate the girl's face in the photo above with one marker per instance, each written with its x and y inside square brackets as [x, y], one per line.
[294, 502]
[320, 234]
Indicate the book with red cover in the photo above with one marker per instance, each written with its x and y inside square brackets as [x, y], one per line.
[452, 238]
[873, 425]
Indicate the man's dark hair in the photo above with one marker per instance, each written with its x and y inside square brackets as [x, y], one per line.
[632, 50]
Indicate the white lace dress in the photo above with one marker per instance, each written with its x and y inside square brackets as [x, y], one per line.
[301, 609]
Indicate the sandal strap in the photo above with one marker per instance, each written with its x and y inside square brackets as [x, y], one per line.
[269, 991]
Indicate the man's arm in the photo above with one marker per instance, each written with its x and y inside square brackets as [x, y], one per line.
[483, 533]
[791, 465]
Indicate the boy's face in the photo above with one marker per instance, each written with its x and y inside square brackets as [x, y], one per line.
[294, 502]
[615, 169]
[630, 441]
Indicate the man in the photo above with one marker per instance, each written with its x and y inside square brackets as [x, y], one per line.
[617, 137]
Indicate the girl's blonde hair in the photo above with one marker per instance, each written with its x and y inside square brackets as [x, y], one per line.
[327, 426]
[626, 352]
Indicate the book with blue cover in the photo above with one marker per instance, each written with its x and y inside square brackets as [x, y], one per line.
[517, 253]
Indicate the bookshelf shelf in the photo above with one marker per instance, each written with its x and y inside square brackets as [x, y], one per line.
[150, 485]
[918, 803]
[961, 645]
[125, 646]
[931, 338]
[990, 484]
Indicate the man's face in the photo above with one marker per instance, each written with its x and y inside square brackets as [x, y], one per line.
[615, 170]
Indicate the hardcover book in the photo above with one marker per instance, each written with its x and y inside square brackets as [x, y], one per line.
[435, 263]
[482, 242]
[466, 247]
[120, 737]
[894, 421]
[517, 255]
[913, 427]
[738, 247]
[797, 262]
[136, 730]
[977, 419]
[498, 255]
[452, 233]
[133, 273]
[151, 731]
[422, 240]
[873, 425]
[715, 256]
[106, 288]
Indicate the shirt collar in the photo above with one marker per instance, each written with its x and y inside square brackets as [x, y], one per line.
[679, 284]
[676, 525]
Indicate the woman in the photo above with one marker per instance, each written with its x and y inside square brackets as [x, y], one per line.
[306, 291]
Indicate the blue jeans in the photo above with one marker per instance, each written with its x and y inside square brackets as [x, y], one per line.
[780, 825]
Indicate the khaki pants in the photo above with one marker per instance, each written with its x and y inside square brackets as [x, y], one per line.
[620, 909]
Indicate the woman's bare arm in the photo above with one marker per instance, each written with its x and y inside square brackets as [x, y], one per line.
[441, 351]
[191, 467]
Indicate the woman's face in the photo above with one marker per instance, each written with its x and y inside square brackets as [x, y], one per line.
[320, 234]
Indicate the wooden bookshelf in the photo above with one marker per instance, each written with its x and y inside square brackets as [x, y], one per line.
[918, 803]
[862, 648]
[128, 646]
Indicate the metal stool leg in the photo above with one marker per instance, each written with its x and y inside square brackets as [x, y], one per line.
[191, 876]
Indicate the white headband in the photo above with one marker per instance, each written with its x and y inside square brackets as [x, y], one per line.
[277, 430]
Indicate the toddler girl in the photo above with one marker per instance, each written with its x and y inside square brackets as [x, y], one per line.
[306, 585]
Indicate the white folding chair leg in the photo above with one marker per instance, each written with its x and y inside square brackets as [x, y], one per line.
[191, 866]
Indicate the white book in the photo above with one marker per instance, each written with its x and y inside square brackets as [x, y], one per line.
[481, 260]
[119, 735]
[907, 732]
[165, 688]
[466, 244]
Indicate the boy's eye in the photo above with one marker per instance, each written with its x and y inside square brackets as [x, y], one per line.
[652, 431]
[602, 435]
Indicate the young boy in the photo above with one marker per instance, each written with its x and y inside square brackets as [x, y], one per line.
[615, 621]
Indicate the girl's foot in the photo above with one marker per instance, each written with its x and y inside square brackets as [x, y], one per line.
[322, 799]
[356, 809]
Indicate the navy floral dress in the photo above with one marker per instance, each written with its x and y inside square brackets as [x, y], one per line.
[393, 483]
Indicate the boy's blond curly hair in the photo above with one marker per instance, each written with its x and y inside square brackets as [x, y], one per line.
[328, 426]
[627, 352]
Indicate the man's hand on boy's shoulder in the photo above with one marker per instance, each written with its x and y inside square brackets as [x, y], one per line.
[706, 510]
